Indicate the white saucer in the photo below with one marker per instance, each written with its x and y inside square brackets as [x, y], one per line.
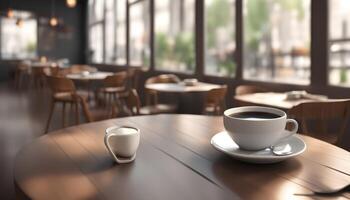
[223, 142]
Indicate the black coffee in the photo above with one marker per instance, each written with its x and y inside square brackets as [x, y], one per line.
[254, 115]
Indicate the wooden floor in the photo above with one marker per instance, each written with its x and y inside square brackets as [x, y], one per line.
[23, 115]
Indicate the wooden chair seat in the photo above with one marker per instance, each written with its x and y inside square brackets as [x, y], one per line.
[158, 109]
[112, 89]
[69, 97]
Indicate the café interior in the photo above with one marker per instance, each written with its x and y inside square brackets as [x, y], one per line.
[85, 84]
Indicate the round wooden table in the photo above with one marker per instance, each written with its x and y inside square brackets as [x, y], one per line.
[174, 161]
[190, 97]
[181, 87]
[90, 76]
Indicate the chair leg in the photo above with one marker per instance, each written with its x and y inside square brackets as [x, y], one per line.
[76, 106]
[52, 107]
[86, 110]
[63, 114]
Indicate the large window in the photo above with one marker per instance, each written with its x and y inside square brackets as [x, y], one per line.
[339, 42]
[120, 48]
[277, 40]
[107, 27]
[139, 39]
[18, 36]
[220, 37]
[96, 46]
[174, 35]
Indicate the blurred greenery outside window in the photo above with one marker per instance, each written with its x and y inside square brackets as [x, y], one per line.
[19, 36]
[339, 43]
[174, 35]
[139, 38]
[277, 40]
[96, 26]
[220, 45]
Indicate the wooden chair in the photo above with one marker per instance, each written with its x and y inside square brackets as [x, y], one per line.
[113, 86]
[22, 69]
[215, 101]
[133, 78]
[133, 103]
[38, 75]
[63, 91]
[320, 115]
[152, 96]
[249, 89]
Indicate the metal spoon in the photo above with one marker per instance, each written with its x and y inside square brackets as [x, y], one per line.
[281, 150]
[334, 192]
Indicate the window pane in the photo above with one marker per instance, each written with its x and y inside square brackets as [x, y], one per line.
[18, 39]
[220, 37]
[121, 32]
[96, 8]
[139, 34]
[174, 35]
[96, 43]
[277, 40]
[339, 42]
[110, 32]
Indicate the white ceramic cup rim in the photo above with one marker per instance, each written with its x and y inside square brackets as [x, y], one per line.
[112, 128]
[276, 111]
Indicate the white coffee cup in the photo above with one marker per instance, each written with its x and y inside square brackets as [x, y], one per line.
[122, 143]
[257, 134]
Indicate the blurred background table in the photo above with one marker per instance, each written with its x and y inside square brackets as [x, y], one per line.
[273, 99]
[190, 97]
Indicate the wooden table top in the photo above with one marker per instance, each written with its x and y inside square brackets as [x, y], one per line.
[90, 76]
[272, 99]
[174, 161]
[181, 87]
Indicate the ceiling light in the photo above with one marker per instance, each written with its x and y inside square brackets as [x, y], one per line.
[53, 21]
[71, 3]
[10, 13]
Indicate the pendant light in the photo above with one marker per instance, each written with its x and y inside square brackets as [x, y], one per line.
[53, 20]
[71, 3]
[10, 13]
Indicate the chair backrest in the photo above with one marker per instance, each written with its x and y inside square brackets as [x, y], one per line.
[133, 78]
[216, 98]
[133, 102]
[249, 89]
[163, 78]
[116, 80]
[322, 115]
[60, 84]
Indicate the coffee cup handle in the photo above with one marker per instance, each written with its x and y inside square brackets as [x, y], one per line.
[118, 160]
[293, 131]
